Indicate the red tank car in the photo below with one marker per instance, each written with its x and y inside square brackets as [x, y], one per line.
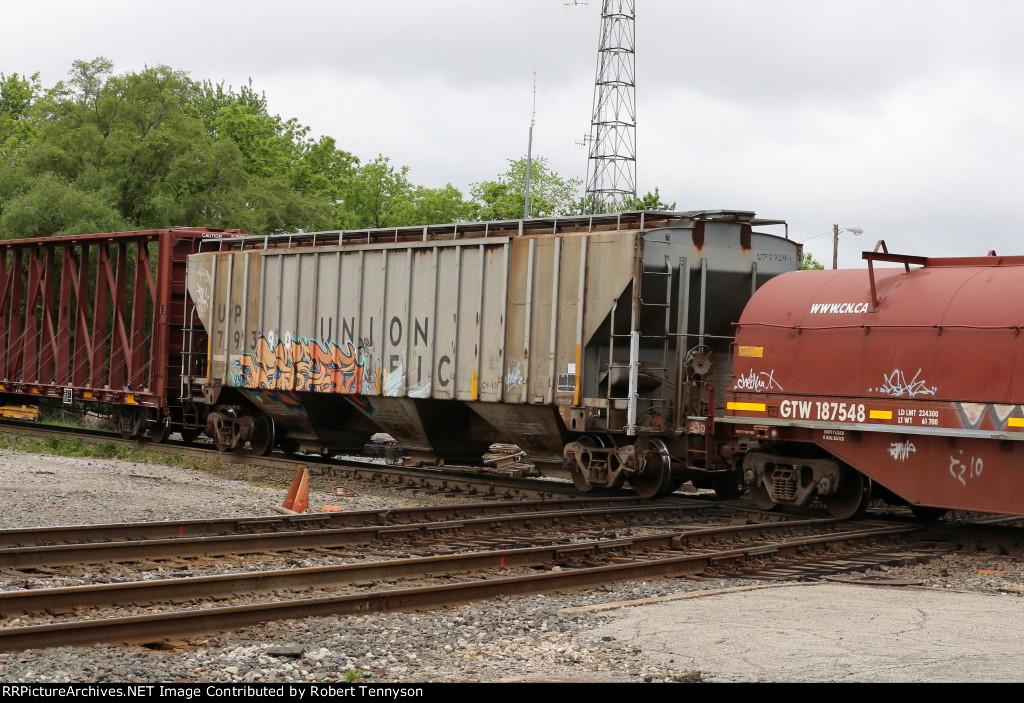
[899, 383]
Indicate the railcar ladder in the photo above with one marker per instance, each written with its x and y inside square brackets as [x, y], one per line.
[657, 370]
[193, 362]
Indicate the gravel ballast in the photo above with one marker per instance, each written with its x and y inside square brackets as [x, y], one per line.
[557, 637]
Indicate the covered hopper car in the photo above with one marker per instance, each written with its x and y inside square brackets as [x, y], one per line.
[904, 383]
[599, 345]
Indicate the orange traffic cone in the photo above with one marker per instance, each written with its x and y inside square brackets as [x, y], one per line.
[297, 499]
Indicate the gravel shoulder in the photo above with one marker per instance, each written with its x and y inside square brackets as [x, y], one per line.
[657, 630]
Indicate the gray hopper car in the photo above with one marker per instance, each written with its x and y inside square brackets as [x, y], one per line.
[599, 344]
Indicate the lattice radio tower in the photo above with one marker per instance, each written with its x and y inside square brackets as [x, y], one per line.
[611, 166]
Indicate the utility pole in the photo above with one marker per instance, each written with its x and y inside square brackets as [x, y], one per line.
[835, 247]
[529, 151]
[836, 229]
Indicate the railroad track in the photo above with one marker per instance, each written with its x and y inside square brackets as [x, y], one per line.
[83, 534]
[473, 482]
[730, 549]
[363, 528]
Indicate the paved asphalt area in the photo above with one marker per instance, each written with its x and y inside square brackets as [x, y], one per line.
[831, 632]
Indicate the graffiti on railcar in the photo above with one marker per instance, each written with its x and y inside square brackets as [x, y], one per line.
[895, 384]
[299, 364]
[367, 353]
[514, 378]
[963, 468]
[757, 382]
[901, 451]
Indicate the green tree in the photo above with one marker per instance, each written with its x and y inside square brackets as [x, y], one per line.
[52, 207]
[651, 200]
[378, 196]
[165, 151]
[126, 135]
[439, 206]
[154, 148]
[17, 124]
[323, 170]
[550, 194]
[809, 263]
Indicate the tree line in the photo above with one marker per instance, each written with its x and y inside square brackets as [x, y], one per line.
[102, 152]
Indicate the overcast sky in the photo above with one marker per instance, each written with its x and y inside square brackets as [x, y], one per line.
[901, 117]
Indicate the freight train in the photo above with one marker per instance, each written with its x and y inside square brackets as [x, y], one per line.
[642, 349]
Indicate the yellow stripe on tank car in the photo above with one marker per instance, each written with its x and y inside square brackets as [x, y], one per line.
[1015, 422]
[754, 352]
[880, 414]
[749, 407]
[472, 388]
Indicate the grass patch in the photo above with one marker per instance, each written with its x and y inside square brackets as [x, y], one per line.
[256, 476]
[73, 446]
[78, 447]
[109, 450]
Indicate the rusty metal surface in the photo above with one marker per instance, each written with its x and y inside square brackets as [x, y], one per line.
[80, 534]
[435, 480]
[941, 332]
[921, 393]
[94, 317]
[67, 599]
[217, 545]
[873, 580]
[659, 561]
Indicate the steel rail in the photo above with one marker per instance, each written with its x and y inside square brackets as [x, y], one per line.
[439, 479]
[65, 599]
[219, 545]
[153, 627]
[81, 534]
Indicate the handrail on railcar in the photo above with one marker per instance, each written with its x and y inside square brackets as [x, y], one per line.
[639, 219]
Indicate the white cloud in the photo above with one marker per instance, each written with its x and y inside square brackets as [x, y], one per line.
[899, 116]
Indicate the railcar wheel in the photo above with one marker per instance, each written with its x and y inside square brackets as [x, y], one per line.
[159, 431]
[128, 421]
[656, 478]
[579, 479]
[220, 444]
[262, 439]
[853, 497]
[762, 501]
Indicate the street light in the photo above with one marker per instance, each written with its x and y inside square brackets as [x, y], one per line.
[857, 231]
